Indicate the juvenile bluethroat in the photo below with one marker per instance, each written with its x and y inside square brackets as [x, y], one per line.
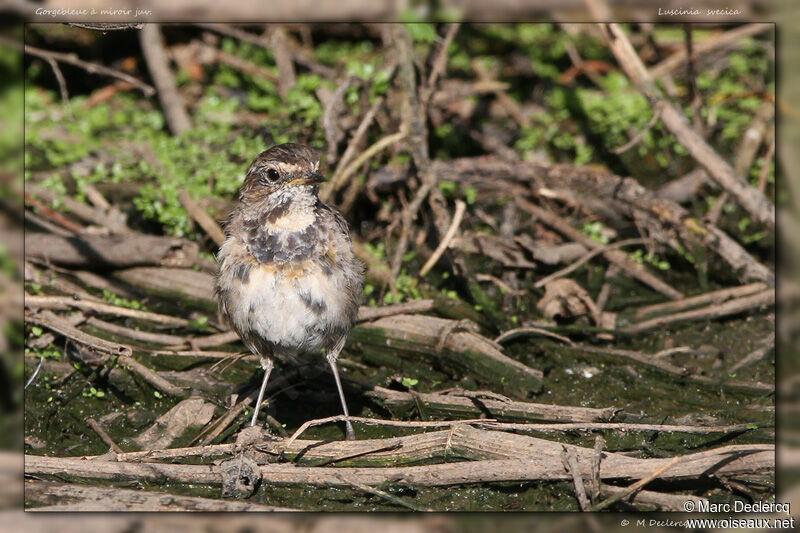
[288, 282]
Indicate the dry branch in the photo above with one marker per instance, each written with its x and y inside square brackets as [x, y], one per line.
[727, 39]
[452, 406]
[205, 221]
[63, 302]
[158, 65]
[103, 252]
[462, 352]
[92, 68]
[713, 297]
[667, 219]
[94, 215]
[617, 257]
[750, 198]
[62, 327]
[505, 457]
[63, 497]
[730, 307]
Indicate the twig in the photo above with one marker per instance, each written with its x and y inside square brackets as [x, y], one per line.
[96, 197]
[500, 283]
[62, 302]
[239, 63]
[158, 65]
[728, 38]
[258, 40]
[328, 189]
[200, 216]
[755, 356]
[377, 422]
[385, 495]
[62, 327]
[621, 427]
[217, 339]
[570, 462]
[597, 483]
[146, 336]
[92, 423]
[636, 486]
[461, 207]
[379, 145]
[597, 251]
[639, 136]
[79, 209]
[519, 332]
[151, 377]
[92, 68]
[621, 259]
[413, 119]
[283, 60]
[330, 124]
[750, 198]
[731, 307]
[439, 64]
[62, 85]
[715, 297]
[365, 313]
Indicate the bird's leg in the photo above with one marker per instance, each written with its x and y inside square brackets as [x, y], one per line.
[332, 356]
[267, 363]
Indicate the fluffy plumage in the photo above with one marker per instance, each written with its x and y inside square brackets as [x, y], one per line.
[288, 280]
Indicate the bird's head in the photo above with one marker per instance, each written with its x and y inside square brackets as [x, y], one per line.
[279, 170]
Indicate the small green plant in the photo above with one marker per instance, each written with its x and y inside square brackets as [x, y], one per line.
[409, 382]
[93, 393]
[119, 301]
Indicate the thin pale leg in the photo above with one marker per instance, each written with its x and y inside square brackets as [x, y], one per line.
[332, 356]
[267, 364]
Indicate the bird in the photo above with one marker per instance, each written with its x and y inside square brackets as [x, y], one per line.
[288, 281]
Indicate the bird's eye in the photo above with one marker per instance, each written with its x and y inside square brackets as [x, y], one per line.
[273, 174]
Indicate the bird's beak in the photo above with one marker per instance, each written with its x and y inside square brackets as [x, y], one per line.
[310, 179]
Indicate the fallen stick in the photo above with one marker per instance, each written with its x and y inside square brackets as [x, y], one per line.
[531, 459]
[628, 197]
[97, 428]
[447, 346]
[64, 302]
[104, 252]
[665, 502]
[151, 377]
[729, 38]
[755, 356]
[62, 497]
[566, 270]
[394, 451]
[87, 213]
[366, 313]
[62, 327]
[620, 259]
[461, 207]
[335, 182]
[158, 66]
[654, 363]
[454, 406]
[749, 197]
[146, 336]
[200, 216]
[730, 307]
[713, 297]
[92, 68]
